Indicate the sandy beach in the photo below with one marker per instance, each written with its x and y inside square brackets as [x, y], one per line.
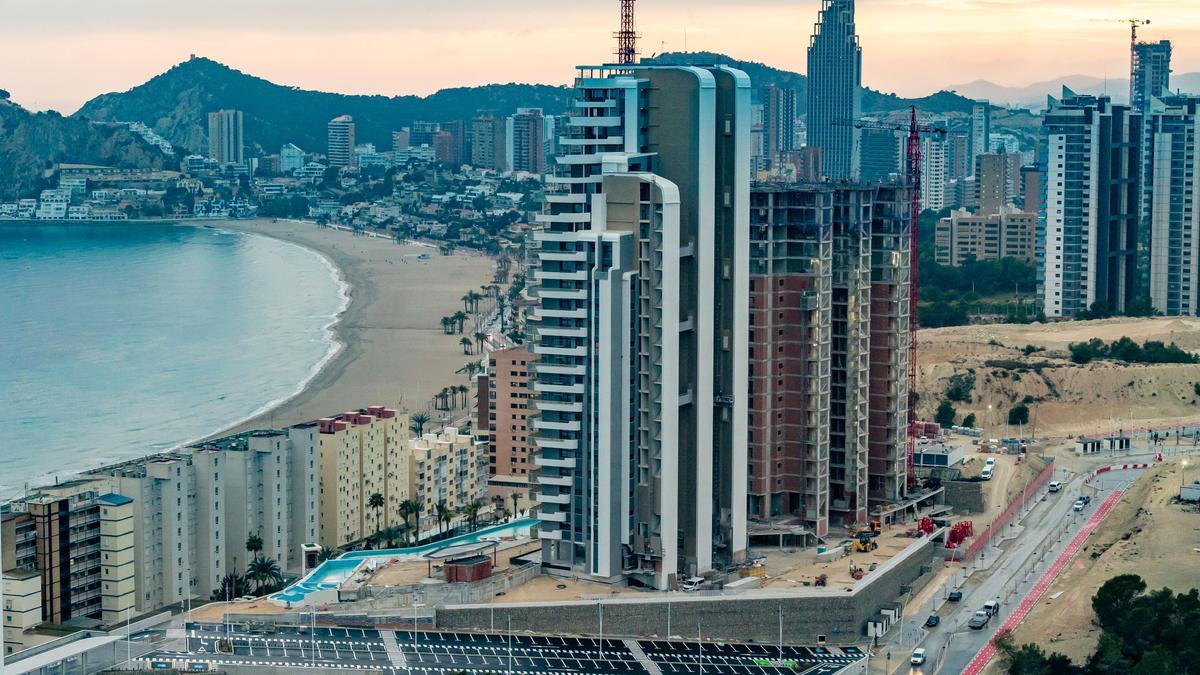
[394, 350]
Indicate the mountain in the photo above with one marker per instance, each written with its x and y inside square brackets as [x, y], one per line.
[1034, 95]
[32, 143]
[762, 75]
[176, 102]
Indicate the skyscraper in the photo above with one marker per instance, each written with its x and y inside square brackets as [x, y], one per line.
[1148, 80]
[933, 172]
[225, 142]
[991, 183]
[341, 141]
[488, 141]
[981, 132]
[641, 332]
[835, 89]
[880, 150]
[779, 121]
[525, 141]
[1088, 226]
[1172, 214]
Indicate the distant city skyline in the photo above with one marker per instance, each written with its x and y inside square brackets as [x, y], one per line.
[370, 47]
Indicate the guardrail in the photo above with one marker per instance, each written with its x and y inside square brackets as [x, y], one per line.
[1017, 504]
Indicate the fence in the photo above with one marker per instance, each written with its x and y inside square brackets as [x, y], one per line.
[1017, 504]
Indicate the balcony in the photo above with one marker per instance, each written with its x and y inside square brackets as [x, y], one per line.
[544, 388]
[577, 218]
[557, 369]
[544, 275]
[563, 293]
[541, 423]
[558, 406]
[594, 121]
[556, 535]
[561, 331]
[540, 313]
[562, 256]
[543, 498]
[559, 463]
[557, 481]
[552, 516]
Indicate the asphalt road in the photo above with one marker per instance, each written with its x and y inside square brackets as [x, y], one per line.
[1008, 573]
[440, 652]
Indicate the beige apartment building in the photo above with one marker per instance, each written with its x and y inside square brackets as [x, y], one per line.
[1009, 233]
[22, 609]
[502, 421]
[448, 467]
[360, 454]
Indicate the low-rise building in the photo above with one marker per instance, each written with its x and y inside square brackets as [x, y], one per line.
[964, 236]
[449, 468]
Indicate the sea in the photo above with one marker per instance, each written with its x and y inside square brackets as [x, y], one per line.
[123, 340]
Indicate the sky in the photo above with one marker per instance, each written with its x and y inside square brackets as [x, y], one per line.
[59, 53]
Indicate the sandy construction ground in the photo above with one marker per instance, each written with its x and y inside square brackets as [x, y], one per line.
[1068, 399]
[395, 352]
[1145, 535]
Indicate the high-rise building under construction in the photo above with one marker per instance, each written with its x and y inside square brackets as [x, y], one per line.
[829, 291]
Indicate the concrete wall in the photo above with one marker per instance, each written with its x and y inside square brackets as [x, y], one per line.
[751, 616]
[964, 496]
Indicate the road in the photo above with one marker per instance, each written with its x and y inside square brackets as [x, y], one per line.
[1007, 572]
[430, 652]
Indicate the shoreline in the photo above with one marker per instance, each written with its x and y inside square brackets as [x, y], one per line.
[364, 365]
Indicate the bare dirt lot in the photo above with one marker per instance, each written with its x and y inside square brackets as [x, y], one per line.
[1066, 399]
[1146, 535]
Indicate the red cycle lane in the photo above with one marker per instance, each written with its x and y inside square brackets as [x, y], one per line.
[1039, 589]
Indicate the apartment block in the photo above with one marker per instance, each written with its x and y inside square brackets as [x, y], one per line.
[448, 468]
[780, 108]
[489, 141]
[992, 183]
[340, 150]
[226, 143]
[641, 328]
[1172, 213]
[828, 366]
[964, 236]
[525, 141]
[360, 454]
[1088, 225]
[504, 420]
[22, 591]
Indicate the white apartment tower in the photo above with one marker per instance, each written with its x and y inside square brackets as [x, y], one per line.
[1172, 214]
[641, 333]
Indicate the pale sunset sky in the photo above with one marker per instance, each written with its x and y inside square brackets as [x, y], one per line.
[59, 53]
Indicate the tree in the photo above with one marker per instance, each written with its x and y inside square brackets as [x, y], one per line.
[465, 391]
[444, 515]
[233, 586]
[1115, 598]
[466, 344]
[460, 318]
[471, 368]
[447, 325]
[516, 497]
[326, 553]
[480, 336]
[254, 545]
[969, 421]
[417, 423]
[1018, 415]
[376, 502]
[467, 300]
[265, 574]
[945, 414]
[471, 511]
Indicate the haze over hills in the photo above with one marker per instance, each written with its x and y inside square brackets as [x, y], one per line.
[31, 143]
[1034, 95]
[175, 103]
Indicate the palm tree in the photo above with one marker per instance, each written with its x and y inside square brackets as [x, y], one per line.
[326, 553]
[460, 318]
[447, 325]
[466, 302]
[254, 545]
[444, 515]
[471, 368]
[516, 497]
[390, 533]
[471, 511]
[233, 585]
[376, 502]
[417, 423]
[265, 573]
[480, 336]
[466, 344]
[412, 507]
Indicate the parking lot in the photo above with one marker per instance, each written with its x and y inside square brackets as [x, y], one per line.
[441, 652]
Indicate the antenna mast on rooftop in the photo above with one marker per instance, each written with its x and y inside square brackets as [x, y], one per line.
[627, 36]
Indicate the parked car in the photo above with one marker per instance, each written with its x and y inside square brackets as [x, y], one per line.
[978, 621]
[932, 621]
[991, 607]
[1079, 504]
[1055, 485]
[954, 596]
[918, 656]
[1086, 499]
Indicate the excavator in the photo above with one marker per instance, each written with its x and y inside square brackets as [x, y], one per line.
[864, 543]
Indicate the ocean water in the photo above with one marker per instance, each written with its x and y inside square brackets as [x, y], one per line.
[118, 341]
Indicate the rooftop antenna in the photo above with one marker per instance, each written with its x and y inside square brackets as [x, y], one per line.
[627, 36]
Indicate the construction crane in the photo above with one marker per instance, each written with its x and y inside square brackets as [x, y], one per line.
[1134, 24]
[626, 36]
[915, 131]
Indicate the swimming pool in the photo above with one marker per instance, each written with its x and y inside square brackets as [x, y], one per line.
[329, 575]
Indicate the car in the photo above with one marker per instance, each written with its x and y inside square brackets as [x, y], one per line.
[692, 584]
[954, 596]
[978, 621]
[991, 461]
[1078, 505]
[1086, 499]
[991, 607]
[918, 656]
[986, 474]
[932, 621]
[1055, 486]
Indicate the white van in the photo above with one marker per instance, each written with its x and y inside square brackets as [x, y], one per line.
[986, 474]
[991, 607]
[1055, 486]
[692, 584]
[991, 461]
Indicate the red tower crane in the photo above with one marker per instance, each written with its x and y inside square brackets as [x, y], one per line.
[627, 36]
[915, 131]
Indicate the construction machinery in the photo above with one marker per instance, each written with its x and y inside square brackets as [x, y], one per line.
[872, 529]
[856, 572]
[915, 131]
[864, 543]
